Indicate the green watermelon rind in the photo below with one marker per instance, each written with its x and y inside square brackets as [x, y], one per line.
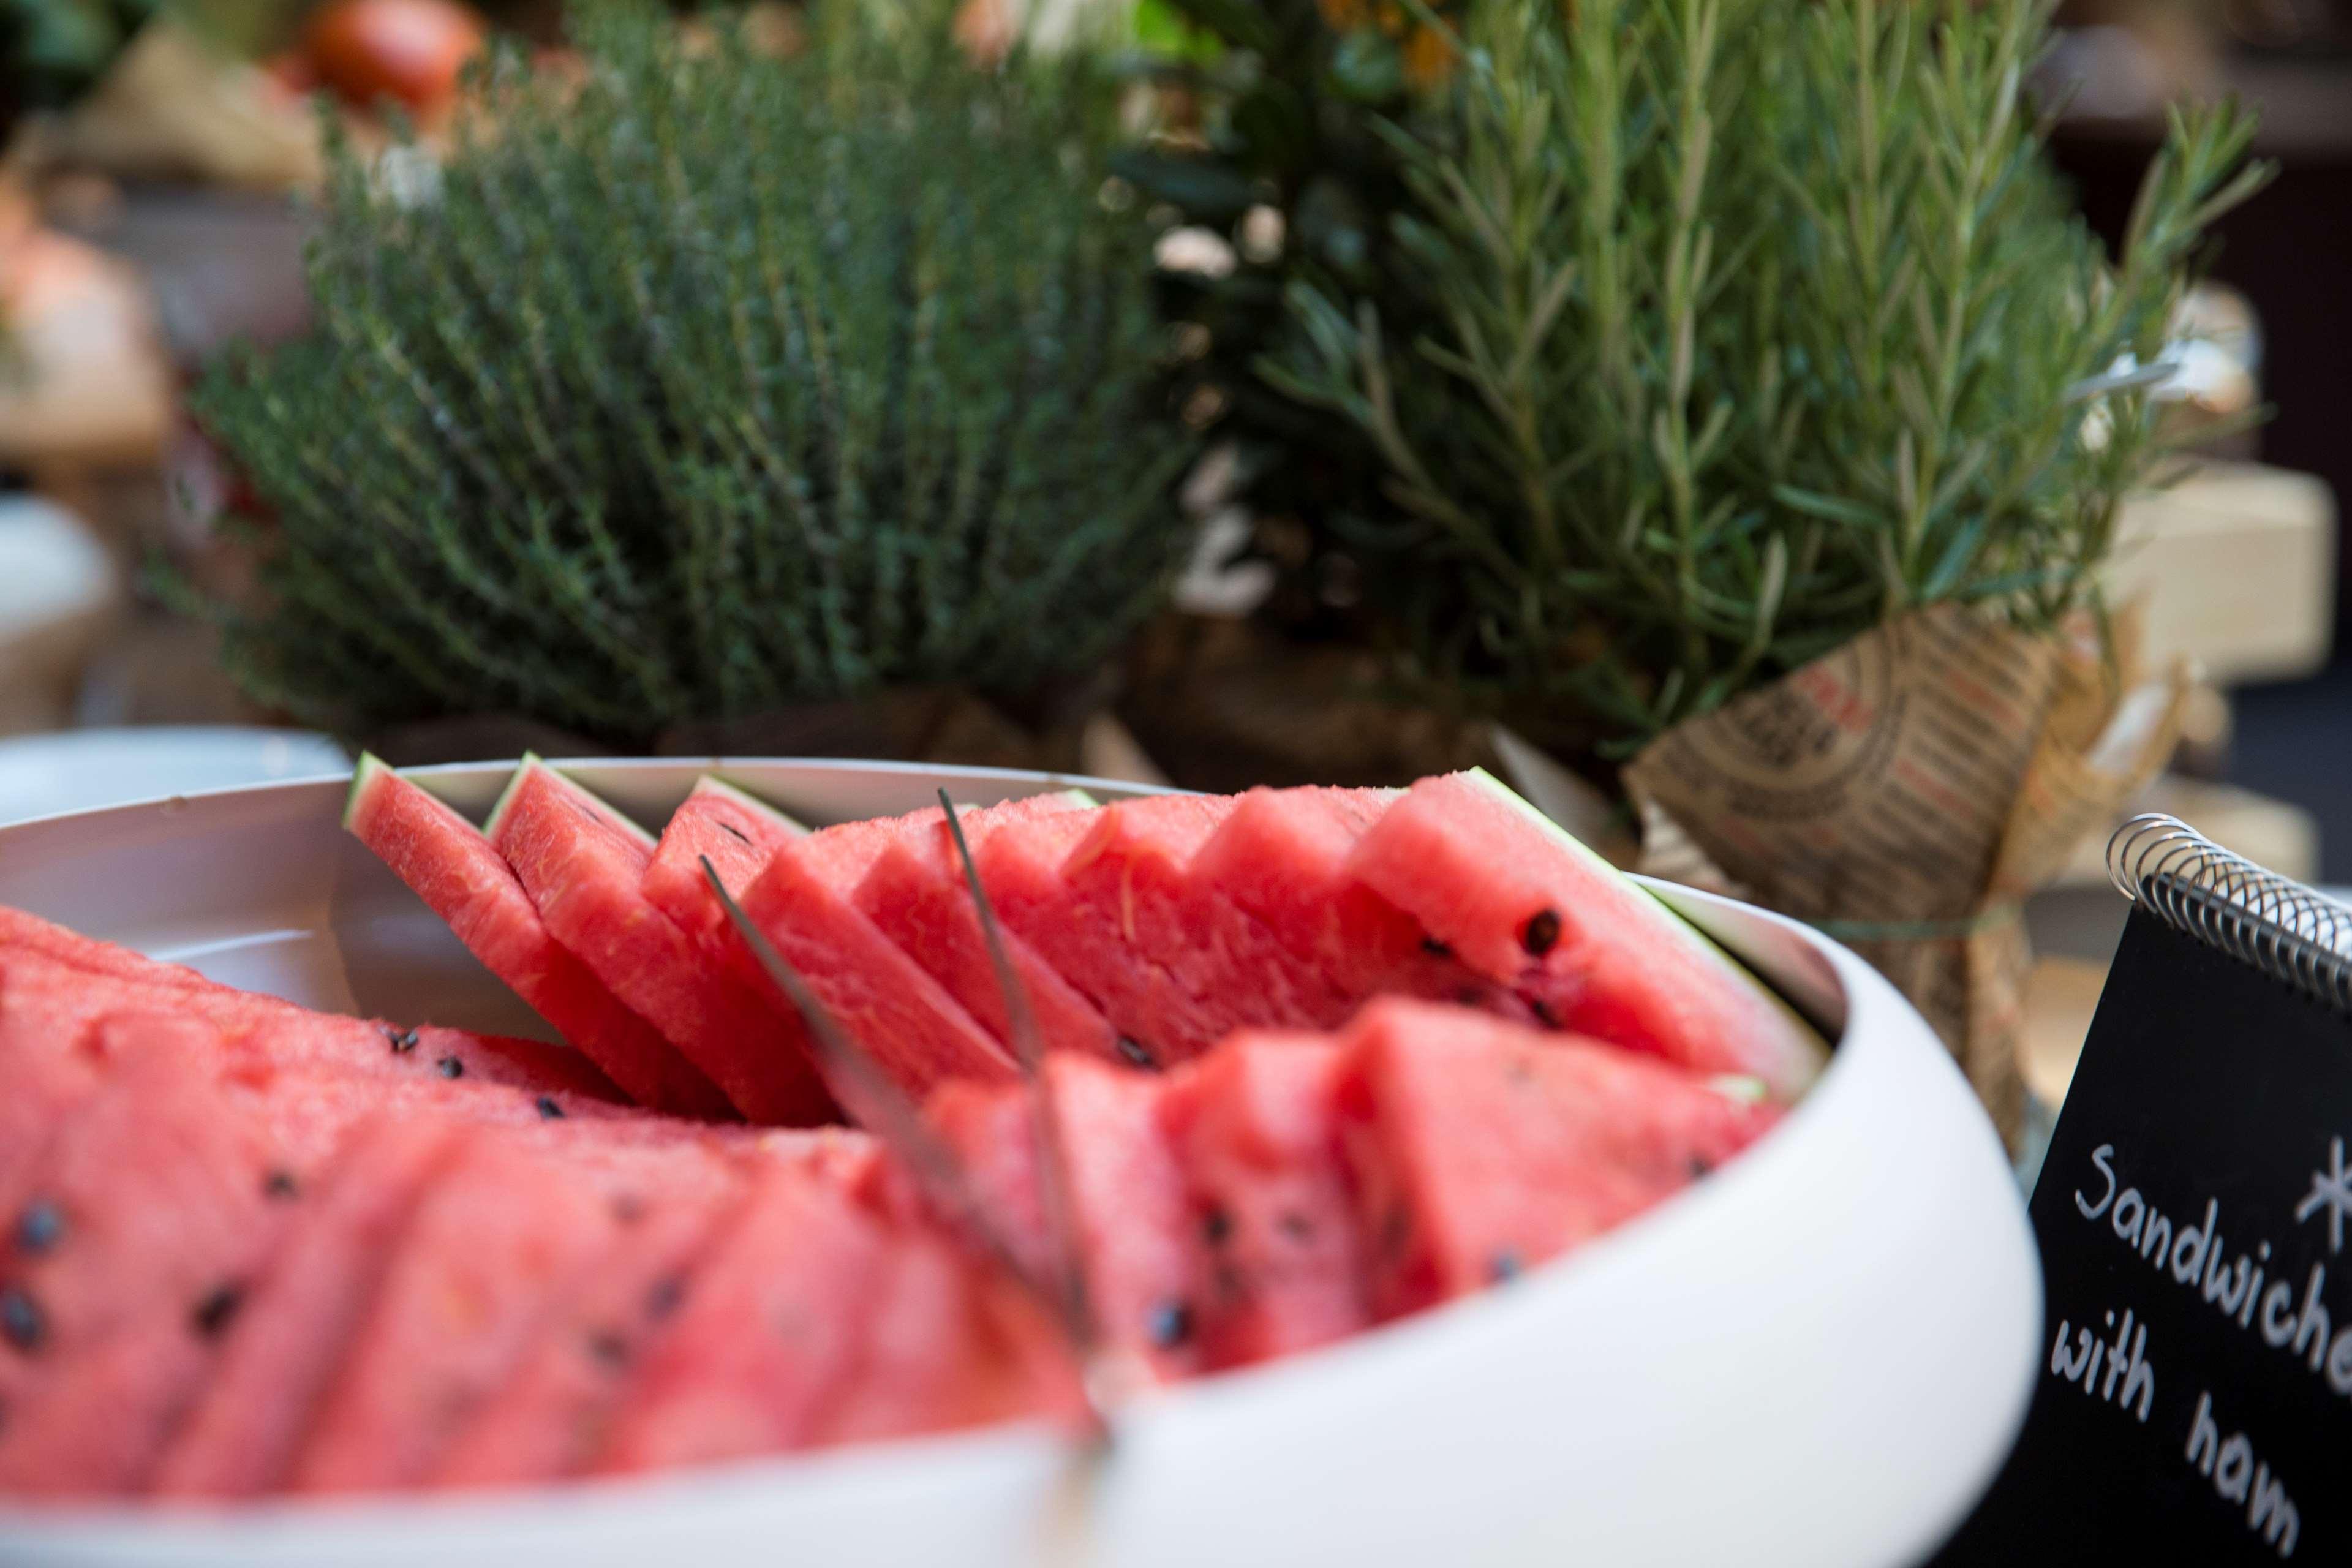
[531, 760]
[365, 772]
[1675, 926]
[751, 803]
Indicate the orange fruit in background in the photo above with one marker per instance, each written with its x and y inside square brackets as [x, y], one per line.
[410, 51]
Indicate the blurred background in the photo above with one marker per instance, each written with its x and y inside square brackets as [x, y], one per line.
[158, 162]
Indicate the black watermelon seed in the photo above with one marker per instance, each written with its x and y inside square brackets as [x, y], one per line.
[281, 1186]
[391, 1036]
[450, 1067]
[213, 1312]
[40, 1227]
[1136, 1053]
[1505, 1268]
[1216, 1225]
[609, 1348]
[1544, 1014]
[22, 1321]
[663, 1298]
[1170, 1324]
[731, 827]
[549, 1108]
[1296, 1225]
[403, 1040]
[1700, 1166]
[1434, 948]
[1543, 930]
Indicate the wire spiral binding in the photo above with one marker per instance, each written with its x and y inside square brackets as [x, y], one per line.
[2270, 923]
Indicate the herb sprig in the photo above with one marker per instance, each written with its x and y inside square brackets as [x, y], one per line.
[707, 382]
[1755, 322]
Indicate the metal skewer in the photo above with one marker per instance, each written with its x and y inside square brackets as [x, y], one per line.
[881, 1106]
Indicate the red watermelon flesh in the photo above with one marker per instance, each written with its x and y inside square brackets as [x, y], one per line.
[283, 1350]
[152, 1219]
[1138, 1245]
[449, 863]
[1478, 1148]
[584, 866]
[312, 1076]
[1523, 902]
[916, 893]
[552, 1418]
[60, 979]
[43, 1064]
[492, 1240]
[738, 832]
[1282, 856]
[767, 1327]
[948, 1344]
[1173, 963]
[907, 1023]
[1255, 1127]
[22, 932]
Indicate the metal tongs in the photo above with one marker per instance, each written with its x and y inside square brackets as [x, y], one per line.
[879, 1105]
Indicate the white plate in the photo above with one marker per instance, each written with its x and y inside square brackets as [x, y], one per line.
[1815, 1358]
[75, 769]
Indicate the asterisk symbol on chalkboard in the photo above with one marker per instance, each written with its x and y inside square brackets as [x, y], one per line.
[2332, 1192]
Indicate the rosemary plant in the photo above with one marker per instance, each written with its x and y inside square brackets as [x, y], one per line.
[1755, 323]
[707, 383]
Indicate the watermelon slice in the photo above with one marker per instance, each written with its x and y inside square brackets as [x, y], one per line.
[1139, 1244]
[1524, 903]
[283, 1350]
[738, 831]
[584, 866]
[876, 993]
[312, 1076]
[21, 932]
[905, 1020]
[57, 980]
[1256, 1130]
[147, 1218]
[493, 1238]
[766, 1330]
[1174, 964]
[916, 893]
[452, 866]
[1479, 1147]
[551, 1418]
[950, 1342]
[1282, 856]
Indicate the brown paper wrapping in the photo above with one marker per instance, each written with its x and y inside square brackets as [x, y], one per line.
[1906, 793]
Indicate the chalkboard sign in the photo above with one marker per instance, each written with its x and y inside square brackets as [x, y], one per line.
[2194, 1214]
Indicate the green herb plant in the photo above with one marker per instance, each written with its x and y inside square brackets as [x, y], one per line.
[1271, 138]
[705, 382]
[1748, 325]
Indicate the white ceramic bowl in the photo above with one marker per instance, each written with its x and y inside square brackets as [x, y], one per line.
[74, 770]
[1816, 1357]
